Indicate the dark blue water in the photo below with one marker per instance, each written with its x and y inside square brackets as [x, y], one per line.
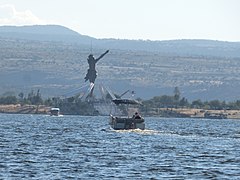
[77, 147]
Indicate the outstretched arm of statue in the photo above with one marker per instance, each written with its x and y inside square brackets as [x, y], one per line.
[102, 55]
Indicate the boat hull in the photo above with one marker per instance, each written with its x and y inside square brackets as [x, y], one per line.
[125, 123]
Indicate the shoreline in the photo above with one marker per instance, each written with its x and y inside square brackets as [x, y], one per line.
[158, 112]
[195, 113]
[24, 109]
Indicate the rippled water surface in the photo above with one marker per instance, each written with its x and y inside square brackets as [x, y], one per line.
[77, 147]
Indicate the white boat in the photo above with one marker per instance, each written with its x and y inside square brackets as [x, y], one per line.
[54, 111]
[125, 122]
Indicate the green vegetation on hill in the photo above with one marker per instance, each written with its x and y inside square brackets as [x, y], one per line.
[76, 106]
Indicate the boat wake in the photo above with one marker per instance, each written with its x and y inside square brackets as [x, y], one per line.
[137, 131]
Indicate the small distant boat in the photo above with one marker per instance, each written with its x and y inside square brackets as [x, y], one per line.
[125, 122]
[54, 111]
[211, 115]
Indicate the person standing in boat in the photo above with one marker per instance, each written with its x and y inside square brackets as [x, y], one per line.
[92, 73]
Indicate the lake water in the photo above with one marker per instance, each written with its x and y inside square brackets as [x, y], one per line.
[78, 147]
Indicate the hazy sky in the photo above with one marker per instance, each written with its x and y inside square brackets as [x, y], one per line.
[131, 19]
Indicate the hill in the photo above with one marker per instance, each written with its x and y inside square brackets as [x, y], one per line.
[53, 59]
[44, 33]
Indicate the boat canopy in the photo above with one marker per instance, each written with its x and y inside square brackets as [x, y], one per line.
[126, 101]
[55, 109]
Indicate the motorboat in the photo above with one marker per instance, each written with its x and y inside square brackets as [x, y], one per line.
[126, 122]
[54, 111]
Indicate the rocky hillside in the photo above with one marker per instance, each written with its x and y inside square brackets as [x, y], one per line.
[53, 59]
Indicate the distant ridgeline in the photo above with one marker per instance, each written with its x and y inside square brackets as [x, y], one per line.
[177, 47]
[54, 59]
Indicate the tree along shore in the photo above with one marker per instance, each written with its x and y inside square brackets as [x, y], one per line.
[163, 106]
[159, 112]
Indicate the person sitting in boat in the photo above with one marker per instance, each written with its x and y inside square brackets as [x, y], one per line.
[136, 116]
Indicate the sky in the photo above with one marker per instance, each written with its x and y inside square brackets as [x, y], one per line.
[131, 19]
